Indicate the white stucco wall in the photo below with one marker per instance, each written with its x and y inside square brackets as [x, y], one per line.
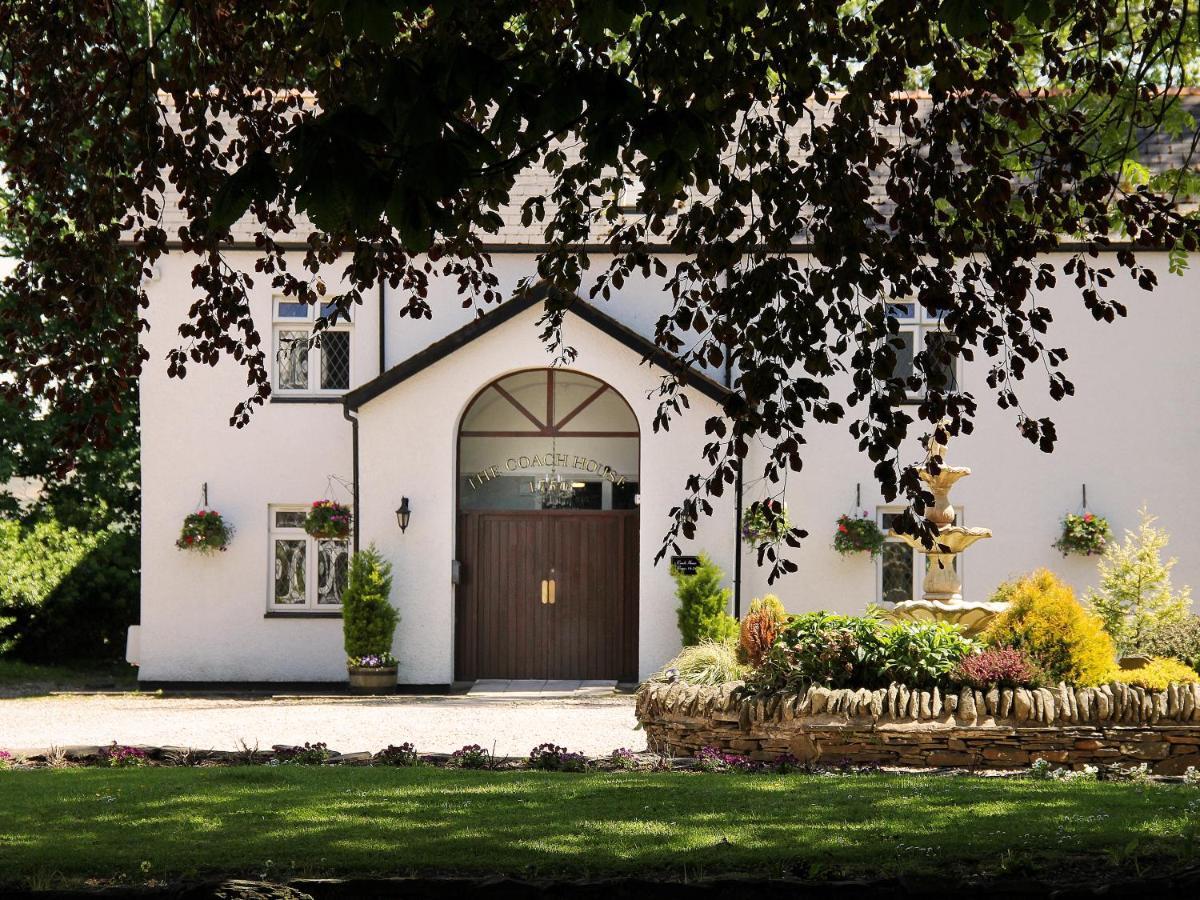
[407, 448]
[1130, 434]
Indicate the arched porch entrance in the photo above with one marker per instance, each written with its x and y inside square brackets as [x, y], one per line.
[547, 495]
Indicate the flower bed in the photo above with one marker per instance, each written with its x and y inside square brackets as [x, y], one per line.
[1002, 728]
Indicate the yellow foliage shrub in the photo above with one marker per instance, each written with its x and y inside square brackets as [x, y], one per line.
[1046, 621]
[1159, 673]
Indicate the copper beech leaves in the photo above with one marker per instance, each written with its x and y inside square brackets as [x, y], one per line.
[772, 166]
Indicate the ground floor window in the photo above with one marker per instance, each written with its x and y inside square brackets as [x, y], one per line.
[307, 572]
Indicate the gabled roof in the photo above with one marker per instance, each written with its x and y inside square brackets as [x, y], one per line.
[456, 340]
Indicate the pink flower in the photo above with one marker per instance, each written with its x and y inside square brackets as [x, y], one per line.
[1087, 517]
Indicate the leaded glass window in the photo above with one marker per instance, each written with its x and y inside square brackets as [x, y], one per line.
[308, 361]
[335, 361]
[291, 357]
[307, 573]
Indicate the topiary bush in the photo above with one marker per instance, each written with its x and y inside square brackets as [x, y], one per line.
[1046, 621]
[703, 603]
[1004, 667]
[67, 596]
[759, 628]
[706, 663]
[922, 654]
[1159, 673]
[368, 617]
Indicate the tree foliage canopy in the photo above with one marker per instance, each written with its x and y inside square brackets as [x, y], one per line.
[736, 129]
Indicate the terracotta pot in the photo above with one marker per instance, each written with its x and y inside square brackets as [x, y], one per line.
[378, 680]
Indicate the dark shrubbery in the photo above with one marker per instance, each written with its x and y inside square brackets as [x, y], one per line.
[66, 596]
[998, 667]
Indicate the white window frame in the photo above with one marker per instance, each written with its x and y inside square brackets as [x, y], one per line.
[281, 323]
[918, 576]
[311, 563]
[913, 319]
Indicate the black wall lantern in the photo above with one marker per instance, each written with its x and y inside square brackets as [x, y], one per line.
[403, 514]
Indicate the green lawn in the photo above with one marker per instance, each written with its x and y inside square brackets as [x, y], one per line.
[18, 679]
[132, 825]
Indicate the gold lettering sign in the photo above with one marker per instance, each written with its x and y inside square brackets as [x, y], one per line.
[539, 461]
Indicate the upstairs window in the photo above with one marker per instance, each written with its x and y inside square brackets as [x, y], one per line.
[307, 363]
[920, 330]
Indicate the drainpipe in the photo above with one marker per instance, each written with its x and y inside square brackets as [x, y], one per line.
[353, 420]
[737, 520]
[382, 330]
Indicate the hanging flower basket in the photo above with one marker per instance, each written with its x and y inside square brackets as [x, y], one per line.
[758, 529]
[328, 519]
[857, 535]
[205, 531]
[1083, 534]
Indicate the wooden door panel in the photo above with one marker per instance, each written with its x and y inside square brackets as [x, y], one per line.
[590, 632]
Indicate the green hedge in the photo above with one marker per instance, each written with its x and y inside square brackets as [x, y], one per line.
[66, 596]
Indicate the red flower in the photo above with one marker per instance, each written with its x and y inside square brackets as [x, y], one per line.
[1087, 517]
[843, 529]
[189, 538]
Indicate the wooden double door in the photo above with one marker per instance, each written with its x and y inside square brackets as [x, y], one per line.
[547, 594]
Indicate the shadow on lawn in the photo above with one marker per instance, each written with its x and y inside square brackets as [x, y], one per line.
[277, 822]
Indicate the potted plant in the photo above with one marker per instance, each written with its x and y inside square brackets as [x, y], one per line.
[1084, 534]
[204, 531]
[328, 519]
[369, 623]
[760, 526]
[857, 535]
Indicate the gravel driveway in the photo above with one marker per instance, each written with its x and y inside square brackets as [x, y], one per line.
[433, 724]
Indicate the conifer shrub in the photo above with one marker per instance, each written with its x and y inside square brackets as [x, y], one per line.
[1045, 620]
[703, 603]
[1177, 640]
[1135, 599]
[759, 628]
[1159, 673]
[368, 617]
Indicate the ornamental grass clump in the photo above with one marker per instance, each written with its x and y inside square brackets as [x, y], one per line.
[706, 663]
[1044, 620]
[368, 617]
[1004, 667]
[204, 531]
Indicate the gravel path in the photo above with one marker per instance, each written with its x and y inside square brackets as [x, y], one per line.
[433, 724]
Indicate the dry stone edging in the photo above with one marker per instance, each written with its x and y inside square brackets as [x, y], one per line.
[1115, 723]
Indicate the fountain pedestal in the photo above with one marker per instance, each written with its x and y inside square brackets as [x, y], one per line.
[941, 593]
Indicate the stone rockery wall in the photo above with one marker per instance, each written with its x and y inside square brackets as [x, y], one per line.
[1010, 728]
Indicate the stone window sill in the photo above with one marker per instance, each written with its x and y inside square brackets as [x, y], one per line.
[300, 614]
[307, 398]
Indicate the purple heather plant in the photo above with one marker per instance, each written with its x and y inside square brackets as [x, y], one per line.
[624, 758]
[373, 661]
[713, 759]
[117, 756]
[471, 756]
[404, 756]
[552, 758]
[307, 755]
[786, 764]
[6, 759]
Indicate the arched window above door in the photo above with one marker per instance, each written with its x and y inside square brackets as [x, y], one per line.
[548, 425]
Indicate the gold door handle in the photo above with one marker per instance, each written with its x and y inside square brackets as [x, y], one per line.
[552, 586]
[545, 591]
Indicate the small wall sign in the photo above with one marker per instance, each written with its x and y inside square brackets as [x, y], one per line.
[685, 565]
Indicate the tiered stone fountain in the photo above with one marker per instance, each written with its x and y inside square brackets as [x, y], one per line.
[942, 591]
